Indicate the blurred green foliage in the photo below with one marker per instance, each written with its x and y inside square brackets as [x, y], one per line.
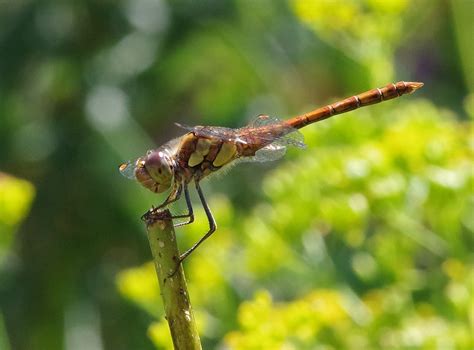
[16, 196]
[359, 29]
[363, 240]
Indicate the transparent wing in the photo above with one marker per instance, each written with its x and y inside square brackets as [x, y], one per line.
[184, 126]
[275, 150]
[265, 127]
[220, 132]
[293, 138]
[262, 120]
[261, 123]
[127, 169]
[269, 153]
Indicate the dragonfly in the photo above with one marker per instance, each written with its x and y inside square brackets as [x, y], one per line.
[205, 150]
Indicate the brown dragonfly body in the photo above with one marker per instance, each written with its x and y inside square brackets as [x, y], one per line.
[204, 150]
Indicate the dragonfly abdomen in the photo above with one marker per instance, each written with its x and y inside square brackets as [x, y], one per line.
[367, 98]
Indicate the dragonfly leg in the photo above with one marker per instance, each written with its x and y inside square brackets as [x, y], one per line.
[212, 224]
[174, 195]
[190, 214]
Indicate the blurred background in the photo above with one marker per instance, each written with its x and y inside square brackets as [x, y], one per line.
[362, 241]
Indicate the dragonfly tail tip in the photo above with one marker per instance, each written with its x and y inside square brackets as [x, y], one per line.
[413, 86]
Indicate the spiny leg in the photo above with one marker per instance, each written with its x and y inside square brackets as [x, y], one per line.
[210, 218]
[190, 213]
[174, 195]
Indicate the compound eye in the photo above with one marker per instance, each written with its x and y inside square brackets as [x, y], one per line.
[157, 165]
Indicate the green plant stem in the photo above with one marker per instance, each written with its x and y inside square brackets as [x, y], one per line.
[173, 287]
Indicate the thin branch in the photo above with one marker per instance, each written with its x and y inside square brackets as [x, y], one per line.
[173, 287]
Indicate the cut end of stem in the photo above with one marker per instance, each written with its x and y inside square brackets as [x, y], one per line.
[153, 215]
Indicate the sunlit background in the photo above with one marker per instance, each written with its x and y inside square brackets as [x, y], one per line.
[362, 241]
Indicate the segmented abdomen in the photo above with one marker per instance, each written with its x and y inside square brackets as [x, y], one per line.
[367, 98]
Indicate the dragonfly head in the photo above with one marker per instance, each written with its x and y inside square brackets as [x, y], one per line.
[155, 171]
